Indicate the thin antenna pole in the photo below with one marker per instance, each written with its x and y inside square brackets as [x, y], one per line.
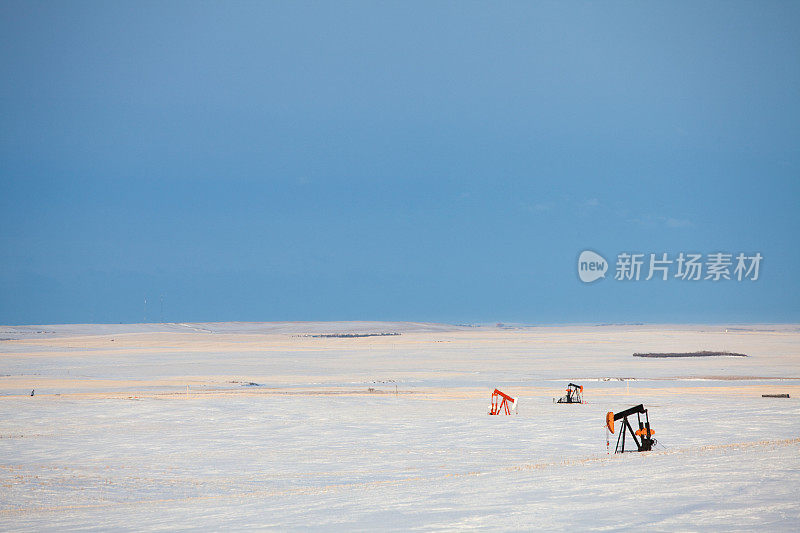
[145, 309]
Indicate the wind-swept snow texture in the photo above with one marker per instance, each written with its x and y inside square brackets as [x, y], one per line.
[264, 426]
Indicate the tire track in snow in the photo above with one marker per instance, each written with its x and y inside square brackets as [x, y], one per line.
[671, 451]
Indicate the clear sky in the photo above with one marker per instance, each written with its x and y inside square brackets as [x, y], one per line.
[432, 161]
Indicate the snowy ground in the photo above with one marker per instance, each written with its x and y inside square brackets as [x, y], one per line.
[114, 439]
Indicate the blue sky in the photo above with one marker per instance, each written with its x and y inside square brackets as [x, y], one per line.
[442, 161]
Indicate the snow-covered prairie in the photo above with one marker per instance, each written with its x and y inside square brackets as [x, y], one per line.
[267, 426]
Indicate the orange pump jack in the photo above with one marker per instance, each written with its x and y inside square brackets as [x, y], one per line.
[502, 402]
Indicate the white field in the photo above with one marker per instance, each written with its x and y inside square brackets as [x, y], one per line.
[155, 426]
